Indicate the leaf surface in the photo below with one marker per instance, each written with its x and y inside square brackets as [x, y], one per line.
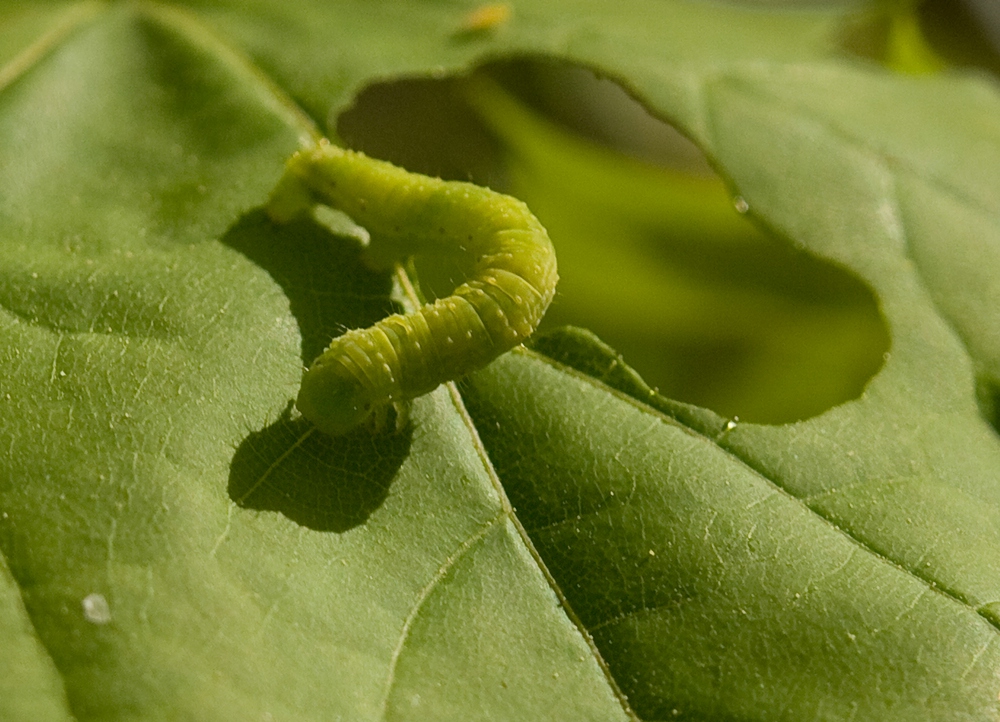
[153, 326]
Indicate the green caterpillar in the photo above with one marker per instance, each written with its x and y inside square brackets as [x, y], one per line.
[511, 280]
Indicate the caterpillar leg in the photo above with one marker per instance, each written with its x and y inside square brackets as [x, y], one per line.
[402, 409]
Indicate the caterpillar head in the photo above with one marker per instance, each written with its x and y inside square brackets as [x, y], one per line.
[332, 398]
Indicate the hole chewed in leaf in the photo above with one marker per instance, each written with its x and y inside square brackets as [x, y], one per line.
[655, 257]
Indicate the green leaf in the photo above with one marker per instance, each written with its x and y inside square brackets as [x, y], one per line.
[551, 539]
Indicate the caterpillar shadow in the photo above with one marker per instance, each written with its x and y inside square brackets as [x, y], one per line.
[318, 481]
[324, 483]
[329, 288]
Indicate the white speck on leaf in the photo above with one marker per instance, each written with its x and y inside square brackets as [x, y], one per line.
[96, 609]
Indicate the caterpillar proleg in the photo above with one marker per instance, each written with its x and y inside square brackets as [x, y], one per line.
[511, 280]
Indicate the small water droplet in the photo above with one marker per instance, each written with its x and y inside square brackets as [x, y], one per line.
[740, 204]
[96, 609]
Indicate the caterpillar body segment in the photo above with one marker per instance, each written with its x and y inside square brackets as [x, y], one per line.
[510, 284]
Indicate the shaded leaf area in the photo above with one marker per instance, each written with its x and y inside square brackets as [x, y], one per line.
[148, 369]
[711, 591]
[316, 271]
[317, 481]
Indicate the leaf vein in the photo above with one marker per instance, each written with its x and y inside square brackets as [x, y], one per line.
[424, 594]
[48, 41]
[931, 584]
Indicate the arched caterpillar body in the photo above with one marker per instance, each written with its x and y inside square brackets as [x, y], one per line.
[511, 280]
